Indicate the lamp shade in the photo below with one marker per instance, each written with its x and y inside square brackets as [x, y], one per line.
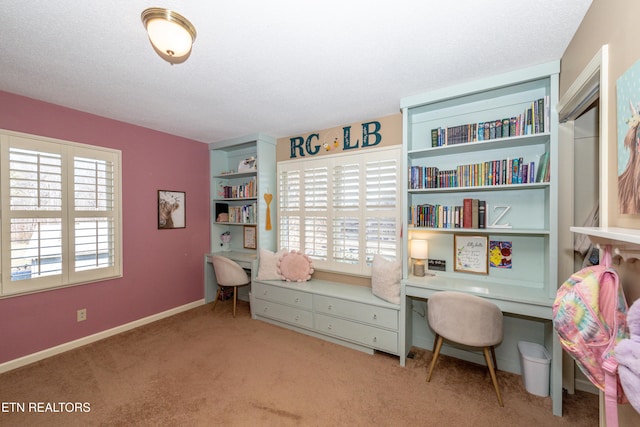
[419, 249]
[170, 34]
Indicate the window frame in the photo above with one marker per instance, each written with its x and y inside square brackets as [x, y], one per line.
[70, 274]
[292, 209]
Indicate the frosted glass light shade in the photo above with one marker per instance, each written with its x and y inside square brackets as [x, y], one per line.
[419, 249]
[170, 34]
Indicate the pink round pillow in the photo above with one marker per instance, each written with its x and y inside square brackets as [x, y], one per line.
[295, 266]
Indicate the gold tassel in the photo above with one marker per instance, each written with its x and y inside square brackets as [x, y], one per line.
[267, 198]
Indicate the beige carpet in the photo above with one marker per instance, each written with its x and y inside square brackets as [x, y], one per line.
[206, 368]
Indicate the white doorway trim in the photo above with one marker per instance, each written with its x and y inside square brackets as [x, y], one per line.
[591, 84]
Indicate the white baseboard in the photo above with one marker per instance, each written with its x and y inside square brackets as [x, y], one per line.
[34, 357]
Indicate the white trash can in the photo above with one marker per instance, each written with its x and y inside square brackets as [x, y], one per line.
[535, 361]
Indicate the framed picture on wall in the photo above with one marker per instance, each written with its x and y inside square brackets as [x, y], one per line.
[628, 108]
[172, 209]
[470, 254]
[249, 236]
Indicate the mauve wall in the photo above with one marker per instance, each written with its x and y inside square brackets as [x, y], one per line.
[162, 268]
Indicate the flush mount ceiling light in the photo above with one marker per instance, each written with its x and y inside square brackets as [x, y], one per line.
[170, 34]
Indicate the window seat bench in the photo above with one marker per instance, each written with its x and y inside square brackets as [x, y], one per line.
[344, 314]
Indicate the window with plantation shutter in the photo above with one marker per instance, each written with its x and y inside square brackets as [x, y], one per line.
[343, 209]
[61, 219]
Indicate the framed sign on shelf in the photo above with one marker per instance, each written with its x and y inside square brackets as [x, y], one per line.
[249, 235]
[470, 254]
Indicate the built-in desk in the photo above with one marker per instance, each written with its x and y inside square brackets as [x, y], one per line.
[521, 301]
[247, 260]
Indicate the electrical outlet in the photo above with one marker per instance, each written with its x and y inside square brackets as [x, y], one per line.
[82, 315]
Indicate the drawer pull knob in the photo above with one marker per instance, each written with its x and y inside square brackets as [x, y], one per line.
[329, 307]
[329, 327]
[265, 309]
[297, 318]
[297, 299]
[375, 317]
[375, 339]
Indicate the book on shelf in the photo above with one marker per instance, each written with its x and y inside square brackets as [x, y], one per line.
[482, 214]
[543, 168]
[474, 213]
[466, 208]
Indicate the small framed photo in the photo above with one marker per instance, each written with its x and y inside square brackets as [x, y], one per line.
[470, 254]
[249, 236]
[172, 209]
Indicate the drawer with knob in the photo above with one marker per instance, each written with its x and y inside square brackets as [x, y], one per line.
[359, 333]
[283, 313]
[282, 295]
[361, 312]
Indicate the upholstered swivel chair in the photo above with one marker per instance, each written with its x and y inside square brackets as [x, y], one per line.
[228, 274]
[468, 320]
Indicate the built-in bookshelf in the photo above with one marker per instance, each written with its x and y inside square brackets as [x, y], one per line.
[481, 166]
[242, 171]
[498, 184]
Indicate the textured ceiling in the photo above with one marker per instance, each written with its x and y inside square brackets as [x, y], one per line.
[281, 67]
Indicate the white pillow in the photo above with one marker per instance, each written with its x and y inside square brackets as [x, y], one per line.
[385, 279]
[268, 264]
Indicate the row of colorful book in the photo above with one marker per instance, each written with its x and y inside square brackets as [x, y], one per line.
[535, 119]
[496, 172]
[471, 214]
[241, 191]
[243, 214]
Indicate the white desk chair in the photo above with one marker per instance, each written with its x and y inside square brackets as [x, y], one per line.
[468, 320]
[228, 274]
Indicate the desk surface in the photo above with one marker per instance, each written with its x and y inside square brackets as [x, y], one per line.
[235, 255]
[522, 300]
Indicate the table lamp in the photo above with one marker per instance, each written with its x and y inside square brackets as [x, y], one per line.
[419, 252]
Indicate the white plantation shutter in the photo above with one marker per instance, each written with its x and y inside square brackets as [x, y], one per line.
[346, 240]
[349, 211]
[61, 220]
[382, 177]
[289, 208]
[346, 205]
[315, 188]
[94, 212]
[315, 236]
[35, 187]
